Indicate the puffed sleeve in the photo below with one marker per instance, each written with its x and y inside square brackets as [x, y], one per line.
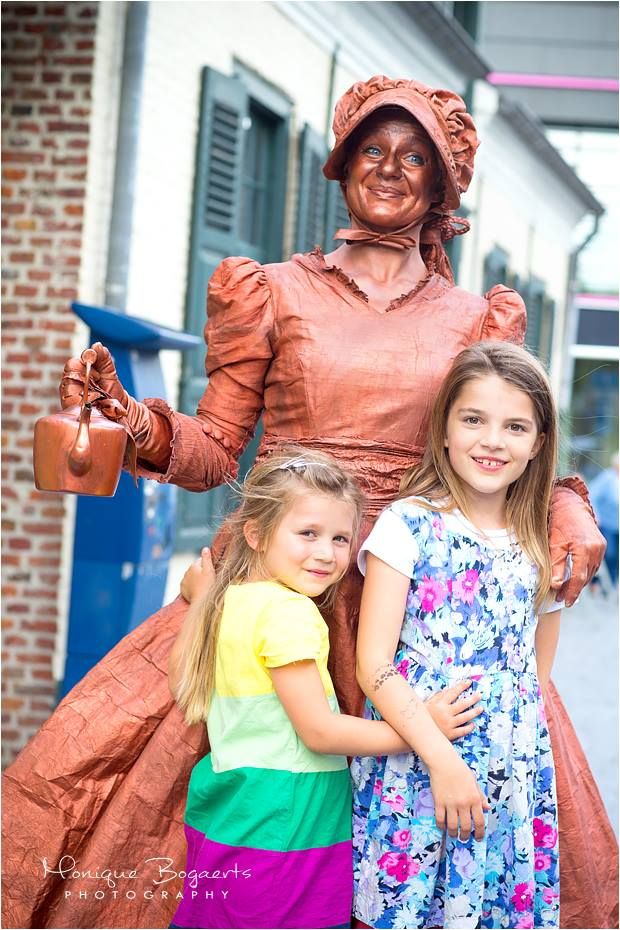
[506, 317]
[205, 447]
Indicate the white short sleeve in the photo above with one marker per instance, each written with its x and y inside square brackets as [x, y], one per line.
[392, 541]
[551, 603]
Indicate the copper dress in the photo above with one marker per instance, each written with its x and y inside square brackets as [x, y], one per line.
[104, 780]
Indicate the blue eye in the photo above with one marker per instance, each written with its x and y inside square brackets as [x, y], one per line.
[372, 150]
[416, 159]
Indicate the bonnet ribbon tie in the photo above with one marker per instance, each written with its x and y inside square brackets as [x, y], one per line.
[436, 229]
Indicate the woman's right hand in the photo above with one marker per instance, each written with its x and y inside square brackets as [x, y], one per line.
[198, 578]
[103, 375]
[151, 435]
[459, 802]
[453, 714]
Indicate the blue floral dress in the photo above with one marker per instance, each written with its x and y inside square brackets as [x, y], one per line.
[469, 614]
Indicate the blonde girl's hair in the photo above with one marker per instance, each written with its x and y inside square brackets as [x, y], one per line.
[267, 493]
[529, 497]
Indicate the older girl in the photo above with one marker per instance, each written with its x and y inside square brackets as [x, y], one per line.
[458, 580]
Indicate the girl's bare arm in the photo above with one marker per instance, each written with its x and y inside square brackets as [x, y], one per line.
[547, 636]
[301, 693]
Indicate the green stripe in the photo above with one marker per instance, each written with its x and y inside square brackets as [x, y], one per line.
[271, 809]
[256, 732]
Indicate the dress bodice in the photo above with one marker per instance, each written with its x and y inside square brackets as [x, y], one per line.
[299, 343]
[470, 607]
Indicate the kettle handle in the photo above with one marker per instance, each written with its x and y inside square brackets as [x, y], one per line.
[89, 357]
[80, 457]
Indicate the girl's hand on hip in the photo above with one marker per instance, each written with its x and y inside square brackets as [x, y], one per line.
[453, 714]
[459, 803]
[198, 578]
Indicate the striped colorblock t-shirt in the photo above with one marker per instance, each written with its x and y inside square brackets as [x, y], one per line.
[268, 822]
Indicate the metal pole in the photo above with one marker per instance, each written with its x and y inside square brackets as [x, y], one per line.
[117, 272]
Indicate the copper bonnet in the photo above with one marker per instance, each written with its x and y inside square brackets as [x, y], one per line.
[440, 112]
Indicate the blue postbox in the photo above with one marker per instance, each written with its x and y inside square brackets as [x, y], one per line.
[123, 544]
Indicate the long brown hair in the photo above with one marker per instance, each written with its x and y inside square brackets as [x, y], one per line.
[266, 495]
[529, 497]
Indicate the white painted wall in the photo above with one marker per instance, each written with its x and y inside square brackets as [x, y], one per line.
[520, 204]
[91, 287]
[290, 45]
[182, 38]
[517, 202]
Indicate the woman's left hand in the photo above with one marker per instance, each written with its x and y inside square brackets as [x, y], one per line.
[573, 529]
[198, 578]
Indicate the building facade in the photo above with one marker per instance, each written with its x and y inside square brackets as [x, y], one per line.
[143, 143]
[561, 61]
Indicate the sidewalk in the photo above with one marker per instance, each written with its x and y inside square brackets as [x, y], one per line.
[586, 675]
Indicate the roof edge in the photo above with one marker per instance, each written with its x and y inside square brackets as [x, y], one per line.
[449, 36]
[531, 130]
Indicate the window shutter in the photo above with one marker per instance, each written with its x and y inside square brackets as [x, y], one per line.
[534, 298]
[495, 268]
[337, 215]
[312, 191]
[216, 206]
[215, 223]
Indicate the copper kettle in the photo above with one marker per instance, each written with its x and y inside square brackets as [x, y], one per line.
[79, 450]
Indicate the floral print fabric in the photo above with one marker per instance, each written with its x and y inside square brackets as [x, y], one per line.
[469, 614]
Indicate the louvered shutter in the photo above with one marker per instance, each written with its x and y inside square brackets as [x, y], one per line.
[337, 215]
[215, 223]
[534, 299]
[215, 220]
[312, 195]
[495, 268]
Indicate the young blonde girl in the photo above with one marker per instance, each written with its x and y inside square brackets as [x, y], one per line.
[457, 573]
[268, 815]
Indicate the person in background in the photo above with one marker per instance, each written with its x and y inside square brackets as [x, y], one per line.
[604, 497]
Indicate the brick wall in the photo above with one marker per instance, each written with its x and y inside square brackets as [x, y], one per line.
[48, 56]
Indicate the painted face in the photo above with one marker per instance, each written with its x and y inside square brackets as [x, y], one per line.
[311, 546]
[392, 178]
[491, 436]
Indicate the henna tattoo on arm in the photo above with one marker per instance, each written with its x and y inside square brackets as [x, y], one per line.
[383, 673]
[410, 709]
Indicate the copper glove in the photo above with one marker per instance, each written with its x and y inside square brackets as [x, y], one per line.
[573, 529]
[152, 441]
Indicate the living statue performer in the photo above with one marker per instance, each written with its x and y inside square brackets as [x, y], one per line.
[341, 352]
